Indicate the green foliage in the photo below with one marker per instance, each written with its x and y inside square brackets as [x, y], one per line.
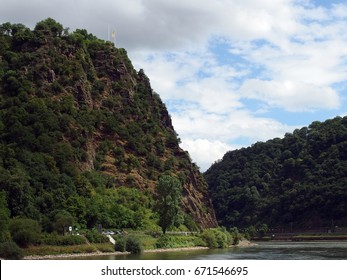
[4, 219]
[235, 236]
[295, 182]
[59, 240]
[190, 223]
[25, 232]
[133, 245]
[49, 26]
[216, 238]
[163, 241]
[250, 232]
[120, 245]
[10, 251]
[178, 241]
[169, 192]
[62, 221]
[95, 237]
[129, 244]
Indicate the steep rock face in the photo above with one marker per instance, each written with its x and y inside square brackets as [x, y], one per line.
[109, 119]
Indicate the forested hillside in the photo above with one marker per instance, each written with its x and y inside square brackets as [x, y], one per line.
[296, 182]
[83, 135]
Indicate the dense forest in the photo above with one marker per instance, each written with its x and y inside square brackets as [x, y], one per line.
[298, 182]
[83, 136]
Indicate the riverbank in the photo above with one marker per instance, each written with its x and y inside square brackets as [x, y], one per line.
[94, 254]
[302, 237]
[242, 243]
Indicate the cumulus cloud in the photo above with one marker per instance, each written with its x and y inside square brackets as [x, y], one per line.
[205, 152]
[292, 96]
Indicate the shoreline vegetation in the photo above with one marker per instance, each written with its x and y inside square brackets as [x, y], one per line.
[303, 237]
[242, 243]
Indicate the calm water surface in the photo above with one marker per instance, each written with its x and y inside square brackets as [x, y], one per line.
[328, 250]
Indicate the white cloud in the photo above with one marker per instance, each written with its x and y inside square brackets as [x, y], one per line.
[292, 96]
[205, 152]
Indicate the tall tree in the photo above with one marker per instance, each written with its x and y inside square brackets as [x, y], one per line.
[169, 191]
[62, 221]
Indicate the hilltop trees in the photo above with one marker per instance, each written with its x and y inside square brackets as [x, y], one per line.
[295, 182]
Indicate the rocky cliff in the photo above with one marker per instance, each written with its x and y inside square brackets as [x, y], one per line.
[74, 105]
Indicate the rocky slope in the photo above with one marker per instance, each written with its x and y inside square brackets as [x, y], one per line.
[74, 110]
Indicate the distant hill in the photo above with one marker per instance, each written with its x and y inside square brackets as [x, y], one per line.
[299, 181]
[82, 131]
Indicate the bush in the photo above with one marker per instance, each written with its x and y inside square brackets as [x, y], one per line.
[25, 232]
[10, 250]
[250, 232]
[120, 245]
[236, 236]
[133, 245]
[58, 240]
[216, 238]
[178, 241]
[210, 238]
[95, 237]
[163, 242]
[222, 239]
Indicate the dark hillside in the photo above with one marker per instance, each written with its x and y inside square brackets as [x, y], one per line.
[299, 181]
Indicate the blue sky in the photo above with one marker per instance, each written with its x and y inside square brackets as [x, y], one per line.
[232, 72]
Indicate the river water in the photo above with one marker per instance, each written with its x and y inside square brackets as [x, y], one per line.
[321, 250]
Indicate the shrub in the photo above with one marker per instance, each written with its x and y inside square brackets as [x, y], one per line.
[120, 245]
[25, 232]
[222, 239]
[163, 242]
[10, 250]
[133, 245]
[216, 238]
[62, 221]
[250, 232]
[210, 238]
[178, 241]
[95, 237]
[236, 236]
[59, 240]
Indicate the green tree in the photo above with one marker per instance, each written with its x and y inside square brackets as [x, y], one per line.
[62, 221]
[51, 26]
[10, 250]
[25, 231]
[4, 218]
[169, 191]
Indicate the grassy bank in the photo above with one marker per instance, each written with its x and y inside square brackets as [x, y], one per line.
[147, 242]
[212, 238]
[44, 250]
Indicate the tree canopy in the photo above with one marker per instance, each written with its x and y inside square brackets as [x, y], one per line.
[169, 195]
[299, 181]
